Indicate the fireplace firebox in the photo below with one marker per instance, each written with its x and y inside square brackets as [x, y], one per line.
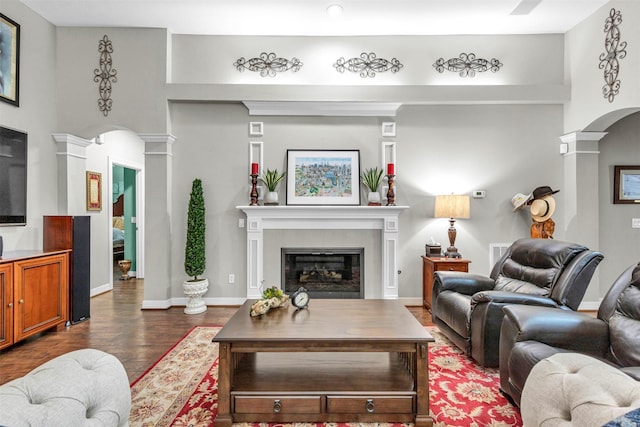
[324, 272]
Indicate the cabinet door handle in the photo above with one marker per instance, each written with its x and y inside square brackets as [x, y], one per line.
[277, 406]
[370, 406]
[21, 301]
[10, 304]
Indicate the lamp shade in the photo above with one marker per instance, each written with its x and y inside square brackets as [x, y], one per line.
[452, 206]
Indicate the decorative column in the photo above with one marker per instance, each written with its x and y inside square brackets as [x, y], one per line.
[157, 216]
[580, 200]
[72, 165]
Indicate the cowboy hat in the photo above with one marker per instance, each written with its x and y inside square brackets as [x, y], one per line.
[519, 200]
[542, 209]
[540, 192]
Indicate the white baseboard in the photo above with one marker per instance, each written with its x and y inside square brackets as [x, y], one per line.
[212, 302]
[101, 289]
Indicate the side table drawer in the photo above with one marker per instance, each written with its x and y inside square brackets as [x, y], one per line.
[278, 404]
[452, 266]
[370, 404]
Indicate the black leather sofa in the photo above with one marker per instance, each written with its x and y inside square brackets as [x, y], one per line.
[530, 334]
[467, 308]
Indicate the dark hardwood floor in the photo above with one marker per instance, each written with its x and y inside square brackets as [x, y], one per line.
[119, 326]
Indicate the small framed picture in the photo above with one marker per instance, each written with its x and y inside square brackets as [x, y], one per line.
[9, 60]
[94, 191]
[626, 184]
[255, 129]
[388, 129]
[323, 177]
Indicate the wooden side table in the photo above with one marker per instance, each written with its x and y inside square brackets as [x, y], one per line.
[432, 264]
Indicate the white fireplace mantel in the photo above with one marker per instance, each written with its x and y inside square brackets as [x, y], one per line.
[385, 218]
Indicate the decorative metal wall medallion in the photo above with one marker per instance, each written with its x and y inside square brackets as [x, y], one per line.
[615, 50]
[467, 65]
[105, 75]
[268, 64]
[368, 65]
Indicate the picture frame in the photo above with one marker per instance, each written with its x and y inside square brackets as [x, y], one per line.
[94, 191]
[9, 60]
[323, 177]
[626, 184]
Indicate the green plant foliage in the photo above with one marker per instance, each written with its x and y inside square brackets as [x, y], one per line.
[272, 292]
[194, 256]
[372, 178]
[272, 178]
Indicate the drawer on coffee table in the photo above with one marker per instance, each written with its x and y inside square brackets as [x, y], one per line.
[278, 404]
[370, 404]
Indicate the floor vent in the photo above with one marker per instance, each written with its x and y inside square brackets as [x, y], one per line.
[496, 250]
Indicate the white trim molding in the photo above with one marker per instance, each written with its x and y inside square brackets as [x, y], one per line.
[384, 218]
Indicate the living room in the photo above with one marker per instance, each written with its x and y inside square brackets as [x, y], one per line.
[179, 113]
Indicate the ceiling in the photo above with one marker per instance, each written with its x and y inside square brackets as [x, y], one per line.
[309, 17]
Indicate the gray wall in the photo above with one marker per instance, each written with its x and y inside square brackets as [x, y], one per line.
[497, 132]
[37, 116]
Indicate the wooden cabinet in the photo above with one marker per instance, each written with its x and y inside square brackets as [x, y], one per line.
[35, 293]
[432, 264]
[6, 310]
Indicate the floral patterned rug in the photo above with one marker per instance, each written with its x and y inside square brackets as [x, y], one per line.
[181, 388]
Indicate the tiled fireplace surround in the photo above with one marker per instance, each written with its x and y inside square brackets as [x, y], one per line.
[383, 218]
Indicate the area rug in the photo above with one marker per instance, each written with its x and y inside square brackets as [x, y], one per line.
[181, 388]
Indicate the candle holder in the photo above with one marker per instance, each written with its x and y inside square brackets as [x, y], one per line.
[391, 194]
[254, 190]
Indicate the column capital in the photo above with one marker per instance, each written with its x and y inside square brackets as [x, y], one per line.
[582, 136]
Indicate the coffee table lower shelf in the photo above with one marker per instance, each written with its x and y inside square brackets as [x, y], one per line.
[323, 386]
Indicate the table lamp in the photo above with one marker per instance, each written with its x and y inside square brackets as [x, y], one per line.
[452, 207]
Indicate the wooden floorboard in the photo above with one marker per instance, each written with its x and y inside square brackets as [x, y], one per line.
[119, 326]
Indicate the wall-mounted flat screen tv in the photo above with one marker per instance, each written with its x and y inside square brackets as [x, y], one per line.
[13, 177]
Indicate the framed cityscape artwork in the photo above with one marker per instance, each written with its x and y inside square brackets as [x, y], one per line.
[323, 177]
[626, 184]
[9, 60]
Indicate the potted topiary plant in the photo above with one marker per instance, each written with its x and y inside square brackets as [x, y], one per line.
[372, 178]
[194, 256]
[271, 179]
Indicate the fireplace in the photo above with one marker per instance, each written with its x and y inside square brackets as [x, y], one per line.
[324, 272]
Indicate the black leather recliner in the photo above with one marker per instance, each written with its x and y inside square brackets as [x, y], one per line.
[530, 334]
[467, 308]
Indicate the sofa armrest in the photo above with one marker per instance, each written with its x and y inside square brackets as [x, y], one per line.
[511, 298]
[565, 329]
[461, 282]
[632, 371]
[486, 320]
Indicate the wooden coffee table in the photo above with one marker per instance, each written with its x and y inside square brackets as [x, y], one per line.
[339, 360]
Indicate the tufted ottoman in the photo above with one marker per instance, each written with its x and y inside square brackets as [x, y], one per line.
[82, 388]
[571, 389]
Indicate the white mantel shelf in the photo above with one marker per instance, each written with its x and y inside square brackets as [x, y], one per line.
[385, 218]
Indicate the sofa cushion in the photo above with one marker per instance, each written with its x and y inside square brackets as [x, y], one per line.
[534, 267]
[82, 388]
[624, 325]
[572, 389]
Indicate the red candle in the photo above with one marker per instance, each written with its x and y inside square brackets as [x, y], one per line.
[391, 169]
[254, 168]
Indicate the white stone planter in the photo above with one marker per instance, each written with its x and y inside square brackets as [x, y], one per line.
[271, 198]
[373, 198]
[195, 289]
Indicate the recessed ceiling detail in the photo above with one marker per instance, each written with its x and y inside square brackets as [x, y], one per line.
[268, 64]
[467, 65]
[105, 75]
[367, 65]
[614, 50]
